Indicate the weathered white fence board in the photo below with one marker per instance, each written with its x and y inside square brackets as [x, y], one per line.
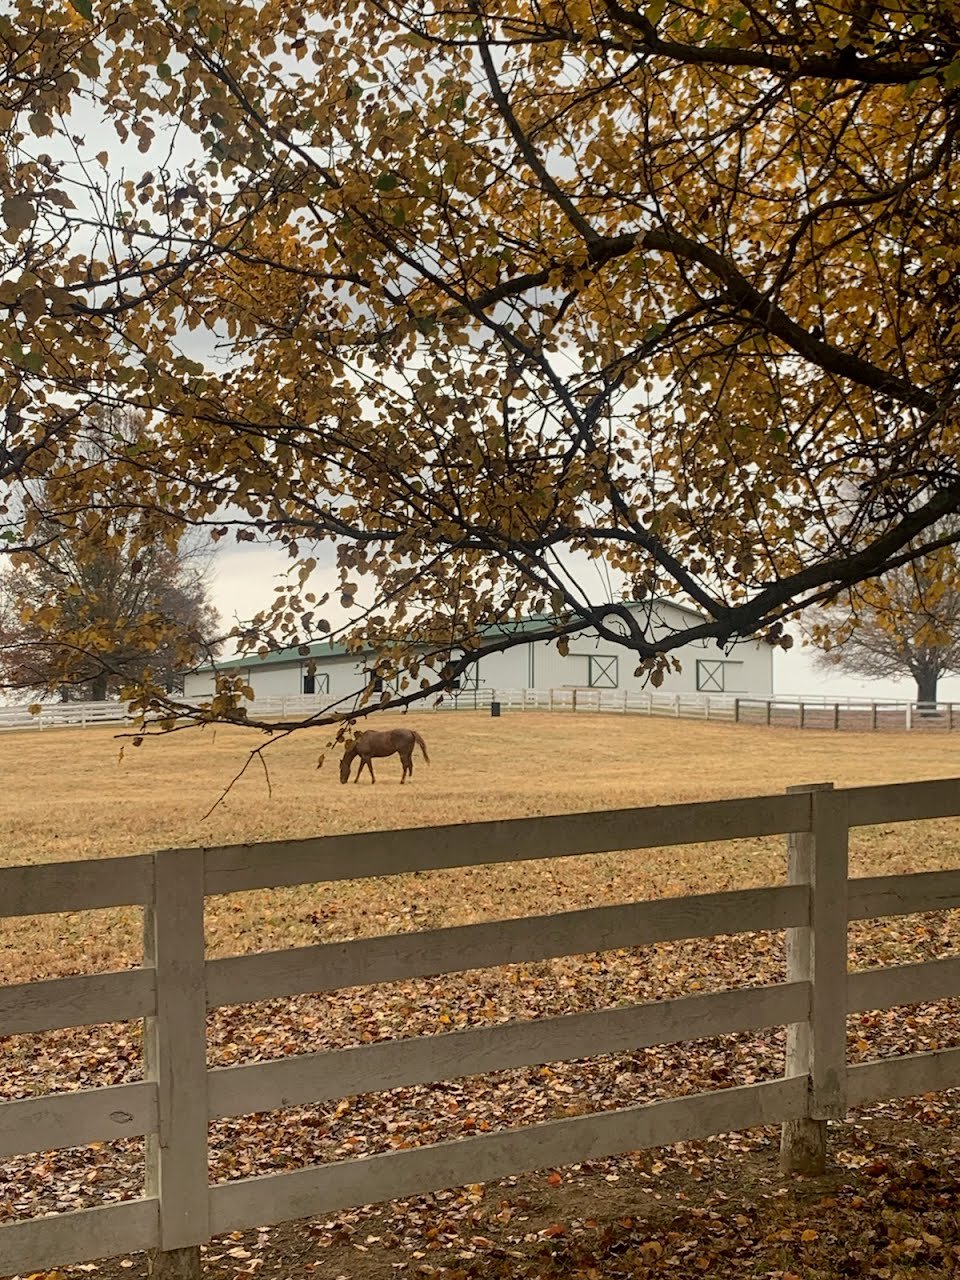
[175, 1051]
[873, 896]
[286, 862]
[329, 966]
[74, 1119]
[903, 984]
[828, 959]
[903, 802]
[58, 1239]
[325, 1188]
[77, 1002]
[815, 953]
[76, 886]
[903, 1077]
[390, 1064]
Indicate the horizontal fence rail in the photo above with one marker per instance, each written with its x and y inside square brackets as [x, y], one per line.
[393, 1064]
[281, 862]
[74, 1119]
[177, 984]
[77, 1002]
[324, 1188]
[395, 957]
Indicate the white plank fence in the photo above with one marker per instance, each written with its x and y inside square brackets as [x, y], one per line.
[787, 710]
[177, 985]
[57, 715]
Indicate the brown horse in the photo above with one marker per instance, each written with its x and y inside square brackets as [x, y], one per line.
[382, 742]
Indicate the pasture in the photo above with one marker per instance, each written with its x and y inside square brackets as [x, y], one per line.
[68, 796]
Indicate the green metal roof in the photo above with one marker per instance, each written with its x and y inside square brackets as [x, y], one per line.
[318, 649]
[332, 649]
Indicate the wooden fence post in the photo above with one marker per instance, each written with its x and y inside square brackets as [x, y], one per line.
[175, 1056]
[836, 715]
[736, 710]
[817, 954]
[873, 724]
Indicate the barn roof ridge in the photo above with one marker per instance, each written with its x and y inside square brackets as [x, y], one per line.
[334, 649]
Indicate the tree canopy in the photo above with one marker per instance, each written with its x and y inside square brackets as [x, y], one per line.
[521, 306]
[100, 611]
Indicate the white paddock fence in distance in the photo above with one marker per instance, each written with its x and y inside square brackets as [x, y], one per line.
[56, 715]
[789, 711]
[807, 712]
[177, 986]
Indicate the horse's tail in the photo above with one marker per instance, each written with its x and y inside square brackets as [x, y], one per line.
[421, 744]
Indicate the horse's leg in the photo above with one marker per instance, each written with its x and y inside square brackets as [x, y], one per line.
[370, 767]
[408, 764]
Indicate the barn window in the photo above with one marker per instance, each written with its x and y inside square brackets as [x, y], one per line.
[602, 672]
[316, 682]
[714, 675]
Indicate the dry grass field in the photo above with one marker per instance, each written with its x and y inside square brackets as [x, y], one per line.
[68, 796]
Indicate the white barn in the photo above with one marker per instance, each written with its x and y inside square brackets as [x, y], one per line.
[745, 668]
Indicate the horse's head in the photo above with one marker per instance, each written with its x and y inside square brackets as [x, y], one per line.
[345, 764]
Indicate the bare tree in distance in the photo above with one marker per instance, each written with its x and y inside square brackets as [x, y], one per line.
[906, 623]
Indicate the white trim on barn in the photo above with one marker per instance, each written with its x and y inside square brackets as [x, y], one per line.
[745, 668]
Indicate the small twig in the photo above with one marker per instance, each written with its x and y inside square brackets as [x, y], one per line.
[266, 771]
[235, 779]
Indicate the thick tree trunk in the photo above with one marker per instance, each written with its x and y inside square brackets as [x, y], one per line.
[98, 688]
[927, 685]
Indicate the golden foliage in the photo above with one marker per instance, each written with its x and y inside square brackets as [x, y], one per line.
[504, 289]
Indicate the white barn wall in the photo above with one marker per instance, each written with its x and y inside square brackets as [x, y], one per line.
[282, 679]
[746, 668]
[198, 684]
